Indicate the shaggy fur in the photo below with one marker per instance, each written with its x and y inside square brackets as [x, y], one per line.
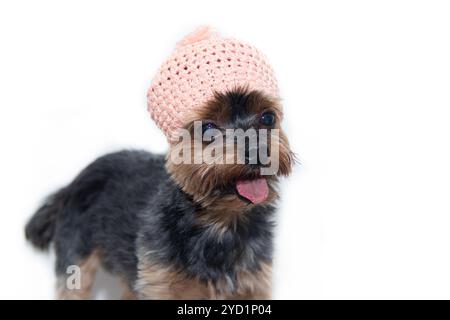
[158, 228]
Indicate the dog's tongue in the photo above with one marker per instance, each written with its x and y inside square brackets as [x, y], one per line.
[255, 190]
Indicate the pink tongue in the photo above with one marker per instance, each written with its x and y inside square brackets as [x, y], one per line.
[254, 190]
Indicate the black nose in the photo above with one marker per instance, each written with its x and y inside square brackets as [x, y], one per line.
[257, 154]
[251, 155]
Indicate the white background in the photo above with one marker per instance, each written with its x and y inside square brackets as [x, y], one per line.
[366, 89]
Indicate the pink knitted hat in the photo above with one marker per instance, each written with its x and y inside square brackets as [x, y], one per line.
[204, 63]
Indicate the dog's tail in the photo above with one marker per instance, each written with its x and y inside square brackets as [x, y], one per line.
[41, 227]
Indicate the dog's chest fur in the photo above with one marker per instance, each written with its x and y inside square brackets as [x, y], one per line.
[178, 252]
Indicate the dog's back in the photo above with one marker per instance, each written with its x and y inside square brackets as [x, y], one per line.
[96, 214]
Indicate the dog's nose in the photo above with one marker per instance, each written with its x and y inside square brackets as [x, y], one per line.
[251, 155]
[258, 154]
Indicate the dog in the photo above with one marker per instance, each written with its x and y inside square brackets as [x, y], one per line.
[174, 230]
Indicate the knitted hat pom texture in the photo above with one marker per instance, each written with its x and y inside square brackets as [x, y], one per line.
[203, 63]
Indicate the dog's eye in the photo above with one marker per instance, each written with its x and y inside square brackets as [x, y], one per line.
[208, 126]
[267, 119]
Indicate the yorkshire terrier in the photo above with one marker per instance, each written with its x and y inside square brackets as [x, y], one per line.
[181, 229]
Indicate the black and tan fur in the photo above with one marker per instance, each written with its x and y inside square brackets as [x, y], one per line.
[168, 231]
